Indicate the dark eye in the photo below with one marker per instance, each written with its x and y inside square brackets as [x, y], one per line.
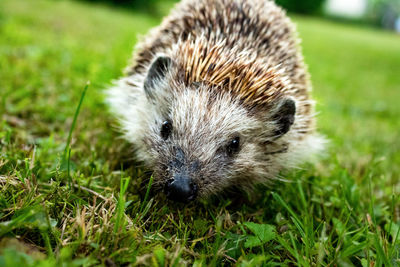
[233, 146]
[166, 129]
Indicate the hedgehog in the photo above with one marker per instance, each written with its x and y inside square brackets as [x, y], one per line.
[217, 96]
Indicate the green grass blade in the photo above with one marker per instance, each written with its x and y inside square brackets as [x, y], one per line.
[78, 108]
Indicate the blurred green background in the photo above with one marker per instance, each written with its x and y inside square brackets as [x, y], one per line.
[381, 13]
[342, 211]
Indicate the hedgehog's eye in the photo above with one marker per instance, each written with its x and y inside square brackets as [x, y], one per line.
[233, 146]
[166, 129]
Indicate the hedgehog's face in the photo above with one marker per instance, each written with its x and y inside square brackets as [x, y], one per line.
[200, 142]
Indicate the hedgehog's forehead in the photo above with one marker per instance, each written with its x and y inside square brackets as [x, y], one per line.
[203, 113]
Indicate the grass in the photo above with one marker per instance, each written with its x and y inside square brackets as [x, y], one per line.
[96, 208]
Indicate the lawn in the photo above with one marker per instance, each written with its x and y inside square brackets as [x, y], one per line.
[83, 201]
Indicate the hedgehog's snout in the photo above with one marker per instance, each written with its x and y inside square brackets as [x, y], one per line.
[181, 188]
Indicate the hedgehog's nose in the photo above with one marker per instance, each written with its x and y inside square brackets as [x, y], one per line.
[181, 189]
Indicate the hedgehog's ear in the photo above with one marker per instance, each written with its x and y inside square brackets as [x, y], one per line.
[155, 75]
[283, 116]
